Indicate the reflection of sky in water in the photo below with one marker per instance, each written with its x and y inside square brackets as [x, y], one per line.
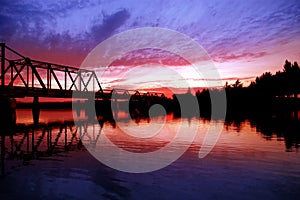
[25, 116]
[242, 164]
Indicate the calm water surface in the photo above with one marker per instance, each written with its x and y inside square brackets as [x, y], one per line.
[250, 161]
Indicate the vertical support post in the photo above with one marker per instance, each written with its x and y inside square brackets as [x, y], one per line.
[32, 76]
[79, 73]
[94, 82]
[11, 74]
[27, 69]
[66, 78]
[2, 63]
[50, 79]
[48, 76]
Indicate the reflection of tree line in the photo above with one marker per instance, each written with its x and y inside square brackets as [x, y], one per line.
[273, 127]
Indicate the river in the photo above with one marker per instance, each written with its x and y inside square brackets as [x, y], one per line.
[252, 159]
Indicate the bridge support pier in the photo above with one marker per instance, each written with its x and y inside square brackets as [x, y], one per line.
[114, 107]
[35, 110]
[7, 124]
[7, 115]
[77, 108]
[90, 109]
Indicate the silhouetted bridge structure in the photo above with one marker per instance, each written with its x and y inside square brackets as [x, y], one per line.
[21, 76]
[24, 77]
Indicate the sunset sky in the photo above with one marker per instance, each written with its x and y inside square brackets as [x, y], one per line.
[243, 38]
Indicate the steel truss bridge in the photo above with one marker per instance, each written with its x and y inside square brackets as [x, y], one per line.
[21, 76]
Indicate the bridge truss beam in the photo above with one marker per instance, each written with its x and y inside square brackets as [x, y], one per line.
[26, 77]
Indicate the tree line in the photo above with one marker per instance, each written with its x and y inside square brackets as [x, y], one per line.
[268, 92]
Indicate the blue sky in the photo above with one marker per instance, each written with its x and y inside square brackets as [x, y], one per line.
[244, 38]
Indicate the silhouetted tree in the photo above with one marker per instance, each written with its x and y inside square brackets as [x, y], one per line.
[291, 78]
[238, 84]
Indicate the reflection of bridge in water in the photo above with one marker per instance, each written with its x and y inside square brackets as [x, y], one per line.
[30, 142]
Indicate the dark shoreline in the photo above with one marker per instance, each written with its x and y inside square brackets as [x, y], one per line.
[281, 107]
